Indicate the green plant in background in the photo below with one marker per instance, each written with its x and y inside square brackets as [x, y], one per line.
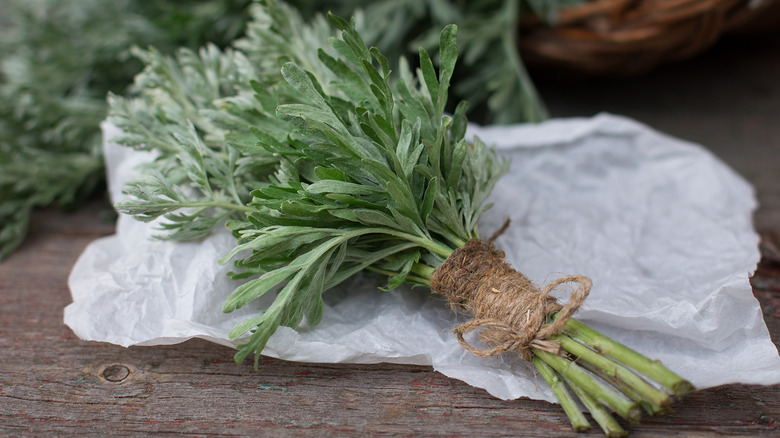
[58, 60]
[491, 75]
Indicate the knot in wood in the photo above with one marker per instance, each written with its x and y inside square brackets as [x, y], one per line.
[116, 373]
[510, 313]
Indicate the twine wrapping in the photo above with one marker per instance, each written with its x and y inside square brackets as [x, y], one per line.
[510, 312]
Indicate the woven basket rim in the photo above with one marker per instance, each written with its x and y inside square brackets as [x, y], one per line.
[623, 37]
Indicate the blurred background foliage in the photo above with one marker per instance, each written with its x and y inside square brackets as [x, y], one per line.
[58, 60]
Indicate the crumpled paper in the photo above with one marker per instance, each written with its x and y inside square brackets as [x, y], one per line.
[661, 226]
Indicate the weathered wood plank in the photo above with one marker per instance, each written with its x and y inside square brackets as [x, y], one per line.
[53, 384]
[168, 390]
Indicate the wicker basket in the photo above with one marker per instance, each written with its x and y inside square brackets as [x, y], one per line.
[625, 37]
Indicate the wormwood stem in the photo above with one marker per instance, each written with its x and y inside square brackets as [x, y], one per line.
[653, 369]
[424, 271]
[410, 277]
[620, 376]
[605, 374]
[567, 401]
[630, 392]
[599, 413]
[128, 206]
[600, 391]
[431, 245]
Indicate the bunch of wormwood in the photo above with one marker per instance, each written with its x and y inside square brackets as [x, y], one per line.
[323, 165]
[59, 59]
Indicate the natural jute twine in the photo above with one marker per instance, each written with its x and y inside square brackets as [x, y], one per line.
[509, 311]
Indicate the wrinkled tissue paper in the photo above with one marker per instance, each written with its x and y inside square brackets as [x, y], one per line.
[661, 226]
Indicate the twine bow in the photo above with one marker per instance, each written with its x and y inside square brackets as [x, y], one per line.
[510, 312]
[532, 334]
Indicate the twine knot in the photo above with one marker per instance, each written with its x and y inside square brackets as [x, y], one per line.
[510, 312]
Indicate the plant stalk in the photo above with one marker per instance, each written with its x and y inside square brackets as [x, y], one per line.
[621, 377]
[601, 392]
[410, 277]
[629, 391]
[599, 413]
[565, 398]
[424, 271]
[653, 369]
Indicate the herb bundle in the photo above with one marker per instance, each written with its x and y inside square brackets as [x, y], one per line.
[328, 166]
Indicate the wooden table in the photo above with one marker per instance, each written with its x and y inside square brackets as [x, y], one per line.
[52, 383]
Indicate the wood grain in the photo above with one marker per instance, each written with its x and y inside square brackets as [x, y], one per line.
[54, 384]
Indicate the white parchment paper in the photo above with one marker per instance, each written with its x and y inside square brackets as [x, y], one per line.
[661, 226]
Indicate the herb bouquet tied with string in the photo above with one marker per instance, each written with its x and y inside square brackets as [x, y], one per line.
[339, 167]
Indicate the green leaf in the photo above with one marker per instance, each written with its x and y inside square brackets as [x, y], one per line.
[245, 142]
[345, 214]
[403, 199]
[459, 122]
[448, 51]
[456, 165]
[333, 186]
[276, 193]
[316, 309]
[350, 37]
[403, 266]
[351, 201]
[413, 109]
[382, 61]
[280, 240]
[373, 217]
[428, 200]
[429, 74]
[305, 84]
[408, 149]
[328, 173]
[405, 223]
[348, 81]
[254, 289]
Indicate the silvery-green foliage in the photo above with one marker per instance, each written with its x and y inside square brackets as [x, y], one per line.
[322, 161]
[58, 59]
[491, 75]
[197, 111]
[373, 175]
